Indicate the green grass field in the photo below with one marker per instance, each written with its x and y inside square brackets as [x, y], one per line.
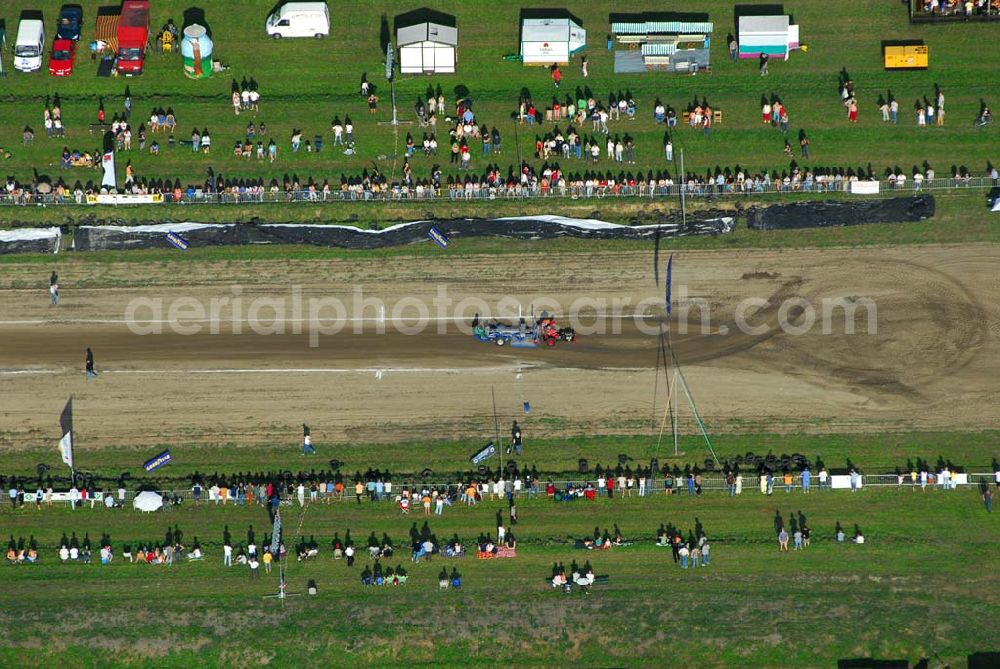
[922, 584]
[306, 83]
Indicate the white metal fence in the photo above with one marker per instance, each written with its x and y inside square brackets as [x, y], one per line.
[655, 486]
[478, 191]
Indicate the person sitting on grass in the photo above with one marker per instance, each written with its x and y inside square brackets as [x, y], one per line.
[387, 549]
[417, 551]
[859, 538]
[366, 576]
[401, 575]
[604, 543]
[454, 548]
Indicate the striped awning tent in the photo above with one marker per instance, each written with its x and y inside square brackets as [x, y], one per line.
[107, 30]
[659, 27]
[659, 49]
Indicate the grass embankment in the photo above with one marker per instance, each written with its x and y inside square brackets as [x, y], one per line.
[959, 219]
[872, 453]
[921, 584]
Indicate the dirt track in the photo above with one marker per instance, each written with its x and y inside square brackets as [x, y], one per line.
[933, 362]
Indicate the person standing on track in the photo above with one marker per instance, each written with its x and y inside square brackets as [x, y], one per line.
[54, 288]
[89, 365]
[307, 447]
[515, 438]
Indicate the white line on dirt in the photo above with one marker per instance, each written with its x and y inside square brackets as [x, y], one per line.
[377, 371]
[273, 321]
[293, 370]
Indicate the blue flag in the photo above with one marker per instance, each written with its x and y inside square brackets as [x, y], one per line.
[178, 241]
[670, 276]
[157, 462]
[438, 237]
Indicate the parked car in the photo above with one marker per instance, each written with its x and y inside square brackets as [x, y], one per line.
[29, 45]
[70, 20]
[299, 19]
[61, 60]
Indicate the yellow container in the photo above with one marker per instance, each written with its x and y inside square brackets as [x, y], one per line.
[906, 57]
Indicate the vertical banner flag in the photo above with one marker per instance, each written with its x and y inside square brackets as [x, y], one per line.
[157, 462]
[670, 276]
[109, 180]
[66, 443]
[439, 238]
[276, 535]
[178, 241]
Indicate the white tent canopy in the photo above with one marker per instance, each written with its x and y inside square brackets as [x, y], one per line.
[147, 501]
[773, 35]
[427, 46]
[550, 40]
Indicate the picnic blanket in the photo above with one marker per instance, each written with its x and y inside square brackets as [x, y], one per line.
[502, 552]
[105, 68]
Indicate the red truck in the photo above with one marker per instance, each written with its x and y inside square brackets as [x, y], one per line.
[133, 36]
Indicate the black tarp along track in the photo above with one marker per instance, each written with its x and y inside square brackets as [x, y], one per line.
[92, 238]
[838, 213]
[27, 243]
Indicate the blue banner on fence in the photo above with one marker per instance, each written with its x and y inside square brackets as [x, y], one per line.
[157, 462]
[178, 241]
[438, 237]
[488, 451]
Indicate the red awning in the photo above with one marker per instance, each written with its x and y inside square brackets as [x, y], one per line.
[107, 30]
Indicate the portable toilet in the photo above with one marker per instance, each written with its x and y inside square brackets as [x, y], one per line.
[196, 52]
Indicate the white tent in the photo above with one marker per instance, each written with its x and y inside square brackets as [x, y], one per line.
[427, 46]
[147, 501]
[773, 35]
[547, 41]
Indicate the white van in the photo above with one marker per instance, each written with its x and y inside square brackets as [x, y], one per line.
[299, 19]
[29, 45]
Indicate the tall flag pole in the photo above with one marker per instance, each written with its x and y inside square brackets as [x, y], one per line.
[66, 442]
[667, 345]
[670, 277]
